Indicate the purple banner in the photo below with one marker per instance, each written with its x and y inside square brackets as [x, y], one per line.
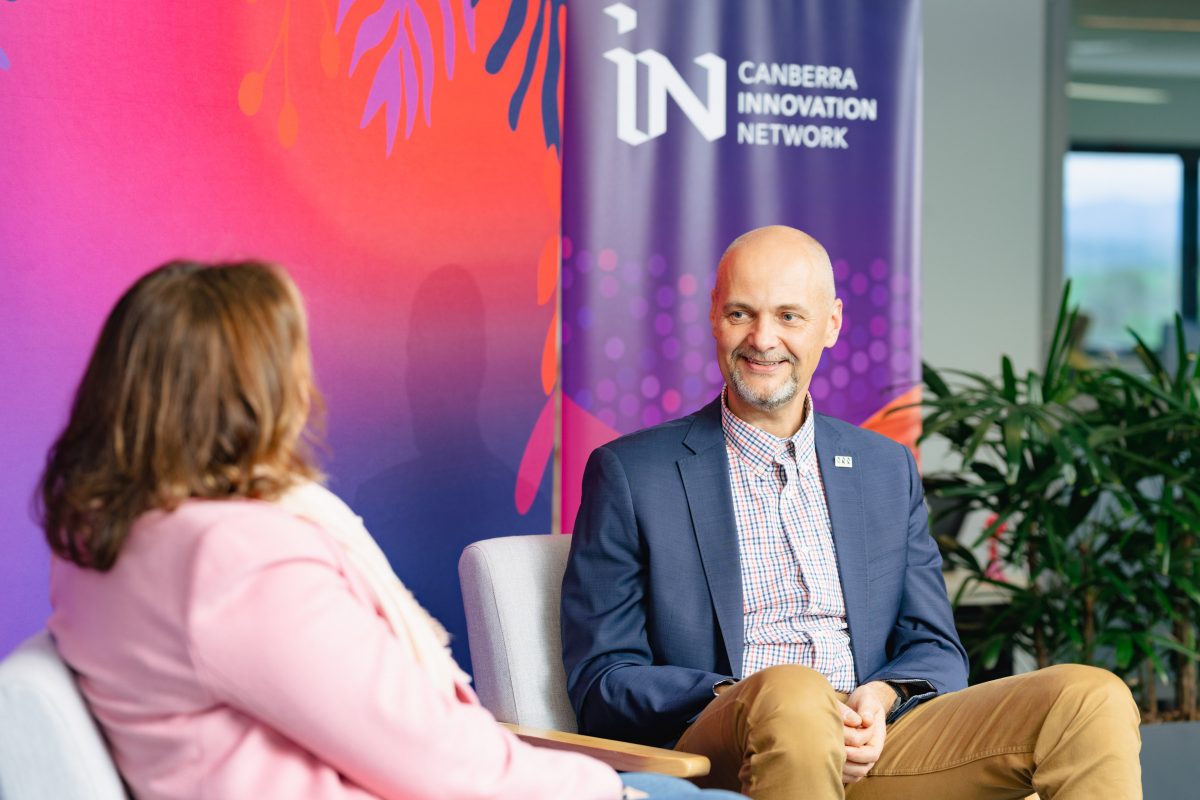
[689, 122]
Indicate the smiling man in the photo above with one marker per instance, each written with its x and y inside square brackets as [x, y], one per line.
[773, 312]
[756, 582]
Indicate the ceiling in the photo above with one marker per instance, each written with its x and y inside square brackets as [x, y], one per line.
[1143, 40]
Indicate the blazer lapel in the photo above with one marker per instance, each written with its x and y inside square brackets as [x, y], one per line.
[705, 476]
[844, 496]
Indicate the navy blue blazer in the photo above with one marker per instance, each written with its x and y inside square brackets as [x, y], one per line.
[652, 595]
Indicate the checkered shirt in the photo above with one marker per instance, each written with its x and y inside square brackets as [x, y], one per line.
[794, 611]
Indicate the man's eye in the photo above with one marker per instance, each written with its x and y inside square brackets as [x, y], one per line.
[737, 315]
[790, 317]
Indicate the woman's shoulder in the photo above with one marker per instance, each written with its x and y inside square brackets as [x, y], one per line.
[246, 530]
[172, 564]
[202, 519]
[219, 540]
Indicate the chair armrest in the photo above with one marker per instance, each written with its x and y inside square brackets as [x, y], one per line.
[622, 756]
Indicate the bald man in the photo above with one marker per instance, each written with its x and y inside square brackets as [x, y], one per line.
[756, 582]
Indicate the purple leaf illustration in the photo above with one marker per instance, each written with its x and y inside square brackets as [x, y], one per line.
[410, 85]
[468, 8]
[447, 37]
[372, 31]
[385, 87]
[424, 42]
[409, 60]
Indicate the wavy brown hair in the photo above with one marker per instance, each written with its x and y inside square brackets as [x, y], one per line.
[200, 386]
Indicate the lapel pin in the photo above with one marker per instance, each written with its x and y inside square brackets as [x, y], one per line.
[844, 461]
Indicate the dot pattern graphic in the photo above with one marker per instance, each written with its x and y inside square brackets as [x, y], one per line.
[638, 346]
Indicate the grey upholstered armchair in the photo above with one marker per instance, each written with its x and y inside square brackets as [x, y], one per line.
[49, 744]
[511, 587]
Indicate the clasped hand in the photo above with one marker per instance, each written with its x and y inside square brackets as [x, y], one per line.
[864, 718]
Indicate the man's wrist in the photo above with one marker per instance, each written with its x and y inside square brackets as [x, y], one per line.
[886, 693]
[900, 694]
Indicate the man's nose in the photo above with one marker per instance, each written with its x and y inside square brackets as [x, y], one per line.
[764, 335]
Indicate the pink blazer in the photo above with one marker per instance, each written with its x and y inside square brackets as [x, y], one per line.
[233, 653]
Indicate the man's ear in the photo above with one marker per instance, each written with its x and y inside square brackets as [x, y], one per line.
[835, 324]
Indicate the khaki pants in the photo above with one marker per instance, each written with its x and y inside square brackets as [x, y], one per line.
[1068, 732]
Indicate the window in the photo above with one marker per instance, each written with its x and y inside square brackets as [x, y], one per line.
[1129, 238]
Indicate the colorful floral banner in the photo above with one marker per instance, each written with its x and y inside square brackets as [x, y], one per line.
[399, 157]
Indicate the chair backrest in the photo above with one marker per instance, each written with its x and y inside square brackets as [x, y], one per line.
[511, 588]
[49, 744]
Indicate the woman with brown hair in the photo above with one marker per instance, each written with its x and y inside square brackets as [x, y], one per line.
[234, 628]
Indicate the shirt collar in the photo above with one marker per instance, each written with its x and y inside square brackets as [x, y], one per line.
[761, 450]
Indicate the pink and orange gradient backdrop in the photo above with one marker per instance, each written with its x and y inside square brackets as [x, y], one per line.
[134, 133]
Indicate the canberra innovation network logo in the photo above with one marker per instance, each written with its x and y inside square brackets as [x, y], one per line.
[822, 98]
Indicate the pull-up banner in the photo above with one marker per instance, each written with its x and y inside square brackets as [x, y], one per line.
[689, 122]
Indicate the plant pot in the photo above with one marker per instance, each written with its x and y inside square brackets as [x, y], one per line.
[1170, 760]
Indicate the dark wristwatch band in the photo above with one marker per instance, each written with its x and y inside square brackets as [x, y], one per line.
[901, 695]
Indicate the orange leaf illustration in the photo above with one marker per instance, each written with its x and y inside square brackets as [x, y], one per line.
[552, 180]
[289, 123]
[547, 275]
[250, 93]
[535, 459]
[904, 425]
[550, 356]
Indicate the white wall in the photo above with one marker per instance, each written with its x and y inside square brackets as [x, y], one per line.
[987, 220]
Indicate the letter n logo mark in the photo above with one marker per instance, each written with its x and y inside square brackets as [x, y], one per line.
[663, 79]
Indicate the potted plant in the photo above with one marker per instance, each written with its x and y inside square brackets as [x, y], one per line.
[1154, 449]
[1090, 473]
